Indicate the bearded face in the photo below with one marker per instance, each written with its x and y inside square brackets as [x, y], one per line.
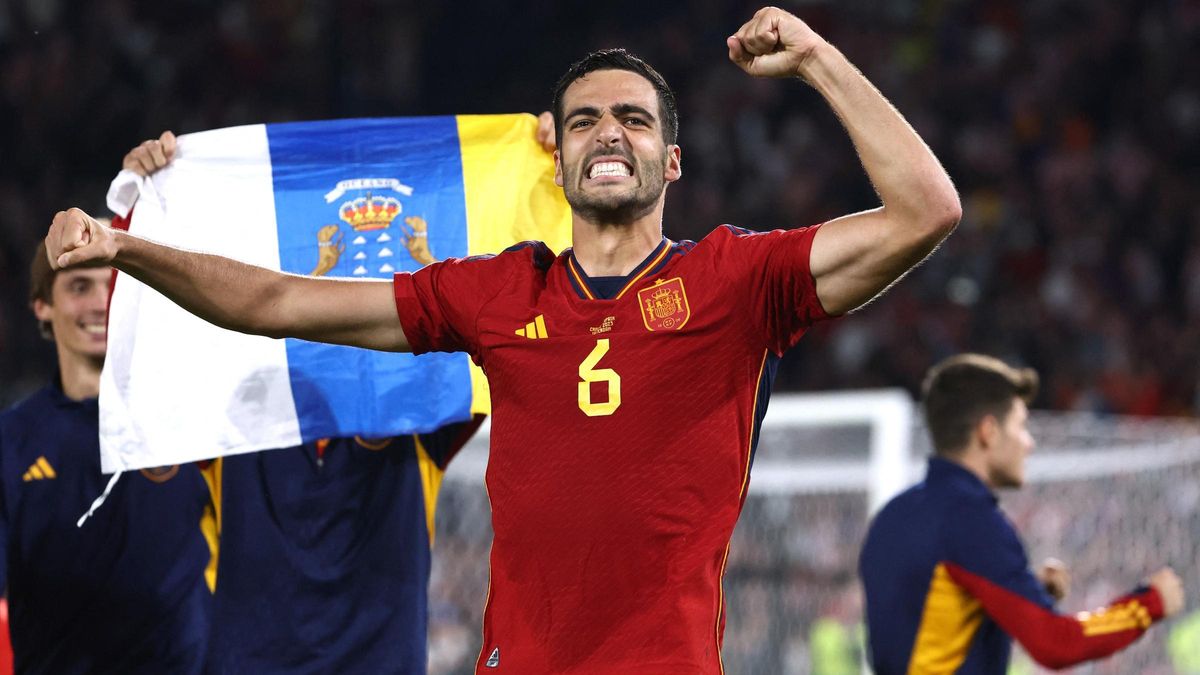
[614, 186]
[613, 163]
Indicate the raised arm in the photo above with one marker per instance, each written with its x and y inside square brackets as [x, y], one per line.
[856, 257]
[235, 295]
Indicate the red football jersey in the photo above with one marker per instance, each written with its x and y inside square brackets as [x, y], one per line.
[622, 436]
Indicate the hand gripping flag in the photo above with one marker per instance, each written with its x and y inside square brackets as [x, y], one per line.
[347, 198]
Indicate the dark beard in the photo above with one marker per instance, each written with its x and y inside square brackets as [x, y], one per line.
[624, 208]
[621, 210]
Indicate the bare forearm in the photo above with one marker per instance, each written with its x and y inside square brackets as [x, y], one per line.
[225, 292]
[232, 294]
[909, 179]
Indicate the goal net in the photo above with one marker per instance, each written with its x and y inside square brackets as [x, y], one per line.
[1113, 498]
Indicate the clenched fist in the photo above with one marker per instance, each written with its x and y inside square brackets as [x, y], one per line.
[75, 238]
[773, 44]
[1055, 578]
[150, 155]
[1169, 588]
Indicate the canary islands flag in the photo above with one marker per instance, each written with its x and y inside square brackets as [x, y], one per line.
[348, 198]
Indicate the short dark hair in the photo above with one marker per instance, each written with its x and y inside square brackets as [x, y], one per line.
[619, 59]
[41, 284]
[41, 276]
[960, 391]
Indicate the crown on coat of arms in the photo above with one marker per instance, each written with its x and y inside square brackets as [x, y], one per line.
[370, 212]
[661, 295]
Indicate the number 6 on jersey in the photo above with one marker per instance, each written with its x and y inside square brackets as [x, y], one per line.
[589, 374]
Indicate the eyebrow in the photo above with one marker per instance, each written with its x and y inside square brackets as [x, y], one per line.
[620, 110]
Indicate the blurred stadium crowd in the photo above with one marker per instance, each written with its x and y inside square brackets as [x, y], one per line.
[1072, 129]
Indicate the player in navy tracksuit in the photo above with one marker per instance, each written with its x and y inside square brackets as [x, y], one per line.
[947, 580]
[324, 555]
[125, 592]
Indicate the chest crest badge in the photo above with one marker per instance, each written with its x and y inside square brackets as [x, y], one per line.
[664, 305]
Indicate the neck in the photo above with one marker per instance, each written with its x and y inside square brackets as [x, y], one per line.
[974, 461]
[614, 249]
[80, 375]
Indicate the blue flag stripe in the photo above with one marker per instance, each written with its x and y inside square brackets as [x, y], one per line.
[344, 193]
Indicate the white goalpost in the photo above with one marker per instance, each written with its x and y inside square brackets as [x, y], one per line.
[883, 472]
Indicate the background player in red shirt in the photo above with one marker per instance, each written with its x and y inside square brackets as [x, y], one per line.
[629, 374]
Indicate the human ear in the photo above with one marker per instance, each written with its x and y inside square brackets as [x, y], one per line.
[674, 167]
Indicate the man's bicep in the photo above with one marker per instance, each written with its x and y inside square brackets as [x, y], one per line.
[856, 257]
[346, 312]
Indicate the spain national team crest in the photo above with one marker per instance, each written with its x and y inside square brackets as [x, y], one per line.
[664, 305]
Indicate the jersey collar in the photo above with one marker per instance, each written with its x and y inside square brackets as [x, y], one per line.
[651, 264]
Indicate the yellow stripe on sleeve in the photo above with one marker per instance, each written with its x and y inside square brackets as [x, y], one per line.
[1130, 615]
[508, 180]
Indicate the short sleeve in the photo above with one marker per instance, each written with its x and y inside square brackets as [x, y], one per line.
[438, 304]
[779, 281]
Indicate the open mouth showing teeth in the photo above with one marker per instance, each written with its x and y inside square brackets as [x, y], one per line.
[608, 169]
[94, 328]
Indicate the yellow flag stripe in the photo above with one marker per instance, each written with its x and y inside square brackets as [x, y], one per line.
[508, 180]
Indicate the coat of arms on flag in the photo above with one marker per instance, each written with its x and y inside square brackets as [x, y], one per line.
[376, 233]
[360, 199]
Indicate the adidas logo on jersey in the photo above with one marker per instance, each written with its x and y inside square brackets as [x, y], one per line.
[534, 329]
[39, 470]
[494, 658]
